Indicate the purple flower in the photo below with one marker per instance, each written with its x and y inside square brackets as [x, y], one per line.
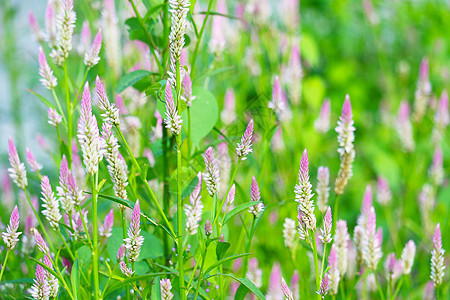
[11, 236]
[208, 228]
[111, 112]
[52, 282]
[91, 57]
[173, 120]
[322, 123]
[274, 290]
[372, 247]
[346, 137]
[245, 146]
[437, 258]
[121, 253]
[134, 241]
[105, 229]
[166, 287]
[88, 134]
[255, 196]
[40, 289]
[325, 232]
[42, 245]
[125, 271]
[211, 174]
[17, 171]
[54, 118]
[35, 166]
[286, 291]
[64, 193]
[48, 80]
[423, 91]
[323, 286]
[303, 194]
[51, 204]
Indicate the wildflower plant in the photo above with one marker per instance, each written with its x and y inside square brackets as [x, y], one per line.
[173, 177]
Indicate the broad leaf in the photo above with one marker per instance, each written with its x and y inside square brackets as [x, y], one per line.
[127, 281]
[221, 249]
[75, 279]
[44, 100]
[222, 261]
[130, 79]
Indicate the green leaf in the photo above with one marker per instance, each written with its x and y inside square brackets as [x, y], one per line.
[44, 100]
[114, 242]
[156, 289]
[127, 281]
[237, 210]
[222, 261]
[221, 249]
[152, 247]
[50, 270]
[246, 282]
[75, 279]
[84, 256]
[189, 180]
[130, 79]
[204, 114]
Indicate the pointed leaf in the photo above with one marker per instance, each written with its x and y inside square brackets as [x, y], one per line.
[221, 249]
[237, 210]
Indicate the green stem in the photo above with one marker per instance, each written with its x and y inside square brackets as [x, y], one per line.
[60, 277]
[189, 134]
[248, 243]
[59, 106]
[124, 236]
[94, 182]
[69, 116]
[335, 212]
[146, 185]
[323, 259]
[380, 291]
[81, 86]
[41, 225]
[200, 276]
[316, 262]
[397, 289]
[197, 45]
[4, 264]
[65, 245]
[85, 226]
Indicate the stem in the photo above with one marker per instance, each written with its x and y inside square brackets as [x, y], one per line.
[200, 37]
[44, 231]
[323, 259]
[94, 182]
[335, 212]
[59, 106]
[65, 244]
[124, 235]
[189, 134]
[247, 245]
[316, 263]
[4, 264]
[69, 116]
[200, 276]
[146, 185]
[85, 227]
[379, 287]
[397, 290]
[81, 86]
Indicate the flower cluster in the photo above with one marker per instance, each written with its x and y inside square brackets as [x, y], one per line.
[11, 236]
[303, 194]
[195, 208]
[134, 241]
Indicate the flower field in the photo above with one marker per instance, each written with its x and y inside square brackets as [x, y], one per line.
[214, 149]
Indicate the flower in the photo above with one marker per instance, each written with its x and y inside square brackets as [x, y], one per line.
[245, 146]
[289, 233]
[322, 123]
[91, 57]
[11, 236]
[437, 258]
[64, 25]
[404, 127]
[42, 245]
[286, 291]
[393, 267]
[40, 289]
[274, 290]
[88, 134]
[254, 274]
[187, 90]
[54, 118]
[323, 189]
[35, 27]
[279, 103]
[346, 149]
[423, 91]
[325, 232]
[125, 271]
[255, 196]
[442, 117]
[195, 208]
[341, 238]
[173, 120]
[166, 287]
[35, 166]
[384, 195]
[117, 166]
[134, 241]
[105, 229]
[111, 112]
[408, 254]
[372, 246]
[112, 37]
[303, 194]
[64, 190]
[179, 10]
[121, 253]
[52, 282]
[211, 174]
[51, 204]
[17, 171]
[334, 274]
[228, 114]
[323, 286]
[208, 228]
[48, 80]
[437, 170]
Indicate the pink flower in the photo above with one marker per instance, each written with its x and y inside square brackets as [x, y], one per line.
[35, 27]
[42, 245]
[228, 114]
[208, 228]
[111, 112]
[211, 174]
[384, 195]
[187, 90]
[173, 120]
[437, 258]
[35, 166]
[40, 289]
[121, 253]
[303, 194]
[245, 146]
[404, 127]
[325, 232]
[166, 287]
[134, 241]
[255, 196]
[125, 271]
[442, 115]
[105, 229]
[274, 290]
[48, 80]
[195, 208]
[286, 291]
[11, 236]
[322, 123]
[323, 286]
[17, 171]
[51, 204]
[91, 57]
[334, 274]
[408, 254]
[54, 118]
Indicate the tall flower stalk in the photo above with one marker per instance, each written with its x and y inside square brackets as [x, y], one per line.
[11, 236]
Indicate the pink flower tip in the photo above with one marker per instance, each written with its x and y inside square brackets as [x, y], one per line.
[136, 215]
[14, 221]
[437, 238]
[424, 69]
[347, 109]
[304, 166]
[367, 200]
